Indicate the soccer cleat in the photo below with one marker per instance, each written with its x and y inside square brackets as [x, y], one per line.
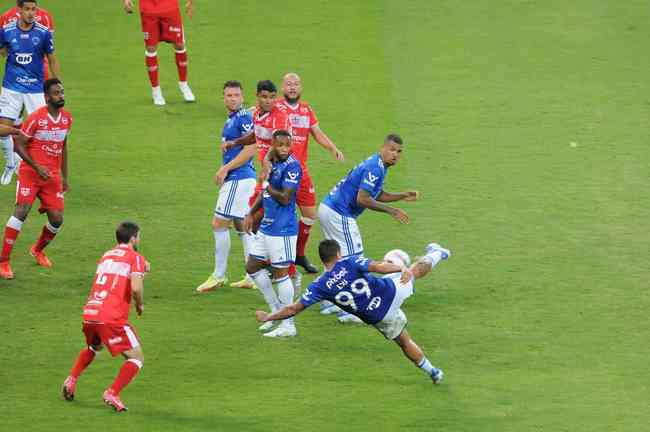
[8, 174]
[113, 400]
[283, 330]
[211, 284]
[246, 283]
[187, 92]
[156, 94]
[328, 308]
[303, 262]
[5, 270]
[41, 259]
[266, 326]
[349, 318]
[435, 247]
[437, 375]
[68, 388]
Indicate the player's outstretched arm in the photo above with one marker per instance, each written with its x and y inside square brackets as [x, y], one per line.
[364, 199]
[398, 196]
[189, 8]
[284, 313]
[6, 130]
[385, 267]
[325, 142]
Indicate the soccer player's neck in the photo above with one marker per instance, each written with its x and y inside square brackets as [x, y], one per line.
[24, 25]
[53, 111]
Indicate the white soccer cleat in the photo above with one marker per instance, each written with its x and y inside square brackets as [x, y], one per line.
[187, 92]
[8, 174]
[346, 318]
[156, 94]
[328, 308]
[282, 331]
[266, 326]
[437, 375]
[435, 247]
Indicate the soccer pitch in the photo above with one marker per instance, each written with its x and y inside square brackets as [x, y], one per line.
[526, 132]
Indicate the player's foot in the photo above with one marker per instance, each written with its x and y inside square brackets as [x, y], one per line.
[5, 270]
[113, 400]
[266, 326]
[296, 280]
[211, 284]
[435, 247]
[68, 388]
[41, 259]
[187, 92]
[8, 174]
[328, 308]
[156, 94]
[283, 330]
[437, 375]
[346, 318]
[303, 262]
[246, 283]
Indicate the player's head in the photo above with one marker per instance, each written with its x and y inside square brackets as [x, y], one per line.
[282, 143]
[291, 87]
[266, 92]
[27, 10]
[391, 151]
[329, 251]
[128, 232]
[54, 95]
[233, 97]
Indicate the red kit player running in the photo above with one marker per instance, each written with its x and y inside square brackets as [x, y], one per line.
[304, 124]
[162, 22]
[118, 279]
[43, 174]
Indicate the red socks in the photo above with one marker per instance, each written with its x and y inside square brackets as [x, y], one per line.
[181, 65]
[86, 356]
[47, 235]
[151, 60]
[11, 234]
[303, 235]
[129, 370]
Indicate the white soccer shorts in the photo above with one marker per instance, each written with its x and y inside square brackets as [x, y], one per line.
[12, 103]
[233, 199]
[395, 320]
[280, 251]
[343, 229]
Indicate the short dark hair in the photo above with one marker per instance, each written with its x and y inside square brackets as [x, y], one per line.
[266, 85]
[21, 3]
[49, 84]
[126, 231]
[232, 84]
[394, 138]
[281, 133]
[328, 250]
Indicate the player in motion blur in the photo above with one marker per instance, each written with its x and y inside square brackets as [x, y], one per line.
[162, 22]
[43, 174]
[118, 279]
[275, 242]
[304, 124]
[376, 301]
[361, 189]
[26, 43]
[237, 181]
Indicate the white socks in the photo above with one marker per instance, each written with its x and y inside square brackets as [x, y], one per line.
[285, 294]
[426, 365]
[433, 258]
[263, 282]
[246, 241]
[221, 252]
[8, 150]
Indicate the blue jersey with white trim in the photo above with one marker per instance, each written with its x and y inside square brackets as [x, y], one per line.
[280, 220]
[353, 289]
[26, 51]
[238, 124]
[369, 175]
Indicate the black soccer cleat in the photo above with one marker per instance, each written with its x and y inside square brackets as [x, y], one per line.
[303, 262]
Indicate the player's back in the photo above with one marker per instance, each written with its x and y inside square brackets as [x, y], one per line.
[353, 289]
[110, 296]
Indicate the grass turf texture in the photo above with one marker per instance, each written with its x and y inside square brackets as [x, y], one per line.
[539, 319]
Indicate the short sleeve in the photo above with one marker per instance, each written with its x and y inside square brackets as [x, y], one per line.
[372, 180]
[311, 295]
[29, 127]
[138, 265]
[362, 264]
[292, 176]
[48, 43]
[246, 123]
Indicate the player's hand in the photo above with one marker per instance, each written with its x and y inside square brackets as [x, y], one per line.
[128, 6]
[411, 195]
[226, 145]
[147, 266]
[248, 224]
[220, 176]
[139, 308]
[65, 186]
[43, 172]
[406, 275]
[338, 154]
[261, 316]
[6, 130]
[400, 215]
[189, 9]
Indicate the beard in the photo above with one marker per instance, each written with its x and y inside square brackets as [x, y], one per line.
[59, 104]
[291, 100]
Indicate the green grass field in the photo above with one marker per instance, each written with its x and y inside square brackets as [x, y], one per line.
[539, 319]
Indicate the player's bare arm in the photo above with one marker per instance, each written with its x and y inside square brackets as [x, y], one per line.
[64, 166]
[8, 130]
[189, 8]
[249, 221]
[284, 313]
[239, 160]
[364, 199]
[55, 67]
[282, 196]
[245, 140]
[137, 289]
[325, 142]
[385, 267]
[3, 52]
[19, 147]
[398, 196]
[128, 6]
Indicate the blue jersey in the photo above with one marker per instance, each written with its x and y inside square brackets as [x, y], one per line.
[369, 175]
[353, 289]
[26, 51]
[238, 124]
[280, 220]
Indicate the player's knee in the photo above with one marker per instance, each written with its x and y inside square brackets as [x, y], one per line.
[252, 266]
[179, 47]
[151, 49]
[21, 212]
[279, 272]
[220, 224]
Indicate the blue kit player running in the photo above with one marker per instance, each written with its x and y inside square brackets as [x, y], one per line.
[25, 43]
[348, 282]
[275, 242]
[237, 181]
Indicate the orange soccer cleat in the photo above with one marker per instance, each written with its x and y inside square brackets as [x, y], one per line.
[5, 270]
[41, 259]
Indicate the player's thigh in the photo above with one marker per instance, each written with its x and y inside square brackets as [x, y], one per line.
[281, 250]
[27, 189]
[11, 104]
[233, 200]
[92, 335]
[150, 29]
[135, 353]
[258, 249]
[119, 338]
[52, 198]
[306, 197]
[171, 29]
[393, 324]
[33, 101]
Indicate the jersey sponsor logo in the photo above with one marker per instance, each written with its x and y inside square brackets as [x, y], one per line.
[42, 123]
[101, 295]
[27, 81]
[64, 121]
[247, 127]
[36, 40]
[292, 177]
[115, 340]
[262, 132]
[24, 58]
[175, 29]
[24, 36]
[51, 135]
[25, 191]
[374, 303]
[299, 121]
[336, 278]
